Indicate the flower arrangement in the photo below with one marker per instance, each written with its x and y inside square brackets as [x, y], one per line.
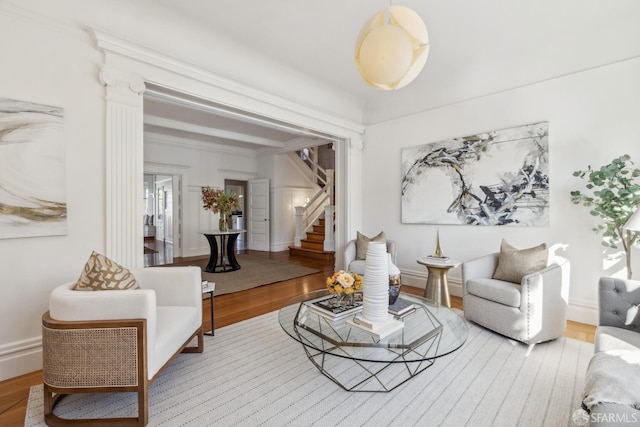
[343, 284]
[217, 201]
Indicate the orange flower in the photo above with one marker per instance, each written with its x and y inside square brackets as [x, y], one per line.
[216, 200]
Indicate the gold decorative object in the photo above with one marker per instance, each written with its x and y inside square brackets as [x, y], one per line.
[437, 250]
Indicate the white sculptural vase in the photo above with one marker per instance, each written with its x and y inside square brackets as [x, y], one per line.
[375, 290]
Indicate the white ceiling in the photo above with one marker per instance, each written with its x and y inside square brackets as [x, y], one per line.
[478, 47]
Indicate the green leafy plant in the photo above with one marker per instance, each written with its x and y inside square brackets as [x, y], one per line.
[615, 195]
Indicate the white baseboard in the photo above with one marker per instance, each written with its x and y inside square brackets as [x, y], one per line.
[21, 357]
[281, 246]
[583, 312]
[577, 311]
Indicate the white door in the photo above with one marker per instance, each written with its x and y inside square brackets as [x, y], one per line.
[258, 233]
[177, 215]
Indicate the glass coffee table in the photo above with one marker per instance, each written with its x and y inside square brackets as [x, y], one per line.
[357, 361]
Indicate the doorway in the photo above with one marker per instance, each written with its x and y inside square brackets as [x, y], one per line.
[237, 219]
[158, 219]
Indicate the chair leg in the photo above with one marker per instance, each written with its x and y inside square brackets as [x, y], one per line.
[201, 341]
[48, 400]
[196, 349]
[143, 406]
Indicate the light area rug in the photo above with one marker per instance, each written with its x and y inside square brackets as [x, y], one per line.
[253, 374]
[255, 271]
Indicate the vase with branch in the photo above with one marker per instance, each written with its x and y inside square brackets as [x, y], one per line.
[615, 196]
[220, 202]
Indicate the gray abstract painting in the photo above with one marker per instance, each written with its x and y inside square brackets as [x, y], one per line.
[494, 178]
[32, 170]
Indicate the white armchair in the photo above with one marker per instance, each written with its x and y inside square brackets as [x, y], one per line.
[532, 311]
[357, 265]
[119, 340]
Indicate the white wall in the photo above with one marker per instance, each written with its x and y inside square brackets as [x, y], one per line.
[288, 189]
[200, 164]
[53, 65]
[593, 118]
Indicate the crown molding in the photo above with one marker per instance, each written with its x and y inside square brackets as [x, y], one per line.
[129, 49]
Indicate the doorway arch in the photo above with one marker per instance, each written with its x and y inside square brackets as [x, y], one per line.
[126, 69]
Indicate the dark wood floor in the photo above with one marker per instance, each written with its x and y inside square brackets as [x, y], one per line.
[231, 308]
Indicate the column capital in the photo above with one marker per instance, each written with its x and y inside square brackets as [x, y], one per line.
[356, 143]
[125, 86]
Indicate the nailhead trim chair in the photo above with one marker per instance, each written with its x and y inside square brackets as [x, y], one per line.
[532, 311]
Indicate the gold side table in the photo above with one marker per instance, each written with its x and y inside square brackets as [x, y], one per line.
[437, 289]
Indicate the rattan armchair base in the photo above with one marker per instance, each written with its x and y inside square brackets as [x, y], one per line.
[104, 356]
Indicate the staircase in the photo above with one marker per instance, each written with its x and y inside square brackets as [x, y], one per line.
[313, 245]
[314, 237]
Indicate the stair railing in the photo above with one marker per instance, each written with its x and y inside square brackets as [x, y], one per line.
[329, 235]
[314, 209]
[318, 173]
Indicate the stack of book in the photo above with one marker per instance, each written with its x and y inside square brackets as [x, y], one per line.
[326, 308]
[378, 330]
[401, 308]
[208, 286]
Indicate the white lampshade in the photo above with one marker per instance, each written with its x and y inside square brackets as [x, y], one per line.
[390, 55]
[633, 224]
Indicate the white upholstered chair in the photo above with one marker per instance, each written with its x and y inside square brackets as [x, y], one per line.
[531, 311]
[357, 265]
[119, 340]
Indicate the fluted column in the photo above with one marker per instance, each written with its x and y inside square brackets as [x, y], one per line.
[124, 166]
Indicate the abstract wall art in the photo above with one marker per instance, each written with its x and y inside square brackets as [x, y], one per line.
[32, 170]
[494, 178]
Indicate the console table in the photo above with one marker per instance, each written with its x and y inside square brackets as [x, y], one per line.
[227, 261]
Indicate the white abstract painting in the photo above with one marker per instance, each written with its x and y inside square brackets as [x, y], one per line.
[32, 170]
[494, 178]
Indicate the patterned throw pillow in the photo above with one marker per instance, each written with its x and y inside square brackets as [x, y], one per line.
[362, 243]
[102, 274]
[514, 264]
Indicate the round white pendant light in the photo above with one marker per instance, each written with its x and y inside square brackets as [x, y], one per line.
[391, 52]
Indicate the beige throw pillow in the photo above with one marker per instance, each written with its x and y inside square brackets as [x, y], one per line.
[102, 274]
[513, 264]
[362, 243]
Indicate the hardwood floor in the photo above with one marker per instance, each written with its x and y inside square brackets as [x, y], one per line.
[233, 308]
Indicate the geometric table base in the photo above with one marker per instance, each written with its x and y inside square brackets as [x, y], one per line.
[368, 376]
[359, 360]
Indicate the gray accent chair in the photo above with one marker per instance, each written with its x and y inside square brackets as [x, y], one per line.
[532, 311]
[357, 265]
[618, 329]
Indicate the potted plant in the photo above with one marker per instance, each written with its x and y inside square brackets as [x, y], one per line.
[217, 201]
[615, 196]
